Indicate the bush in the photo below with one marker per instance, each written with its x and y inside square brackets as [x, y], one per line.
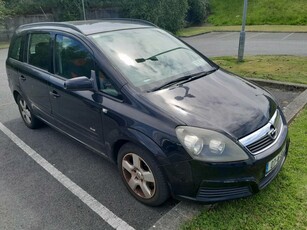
[198, 11]
[168, 14]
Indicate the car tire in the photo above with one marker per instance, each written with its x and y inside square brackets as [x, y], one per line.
[142, 175]
[28, 117]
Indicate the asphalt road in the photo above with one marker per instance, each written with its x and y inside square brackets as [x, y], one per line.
[30, 198]
[226, 43]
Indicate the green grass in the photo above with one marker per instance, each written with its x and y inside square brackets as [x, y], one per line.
[260, 12]
[191, 31]
[282, 205]
[4, 45]
[279, 68]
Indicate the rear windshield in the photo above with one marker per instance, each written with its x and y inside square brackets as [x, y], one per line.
[149, 57]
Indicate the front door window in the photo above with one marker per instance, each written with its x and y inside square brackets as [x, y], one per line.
[72, 59]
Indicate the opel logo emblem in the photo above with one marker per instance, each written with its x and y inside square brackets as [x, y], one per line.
[272, 133]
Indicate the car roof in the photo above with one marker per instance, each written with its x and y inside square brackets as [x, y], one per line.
[90, 26]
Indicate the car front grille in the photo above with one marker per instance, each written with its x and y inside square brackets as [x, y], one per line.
[264, 137]
[260, 144]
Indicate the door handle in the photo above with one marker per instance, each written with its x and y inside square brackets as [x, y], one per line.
[23, 78]
[54, 94]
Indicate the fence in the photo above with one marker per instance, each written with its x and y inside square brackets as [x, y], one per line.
[10, 24]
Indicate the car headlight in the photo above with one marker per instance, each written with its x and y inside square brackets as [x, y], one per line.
[208, 145]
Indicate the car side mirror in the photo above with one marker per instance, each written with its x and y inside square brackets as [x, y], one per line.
[78, 84]
[82, 83]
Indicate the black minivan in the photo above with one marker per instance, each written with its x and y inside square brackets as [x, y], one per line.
[172, 120]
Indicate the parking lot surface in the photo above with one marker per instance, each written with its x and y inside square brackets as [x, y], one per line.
[33, 198]
[30, 198]
[226, 43]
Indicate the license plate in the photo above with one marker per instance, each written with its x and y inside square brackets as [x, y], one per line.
[274, 162]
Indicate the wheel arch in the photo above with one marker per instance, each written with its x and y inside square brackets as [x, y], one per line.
[140, 139]
[16, 94]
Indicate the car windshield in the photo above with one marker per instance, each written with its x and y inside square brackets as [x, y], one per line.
[149, 58]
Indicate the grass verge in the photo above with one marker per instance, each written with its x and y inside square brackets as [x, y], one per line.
[4, 45]
[260, 12]
[282, 205]
[192, 31]
[279, 68]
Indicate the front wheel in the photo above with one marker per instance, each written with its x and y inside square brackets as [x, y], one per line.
[142, 176]
[27, 116]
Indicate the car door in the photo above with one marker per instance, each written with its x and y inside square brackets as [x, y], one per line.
[35, 73]
[76, 112]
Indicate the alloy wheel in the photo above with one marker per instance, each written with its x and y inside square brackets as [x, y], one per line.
[25, 112]
[138, 176]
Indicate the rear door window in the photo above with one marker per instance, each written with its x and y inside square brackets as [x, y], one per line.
[39, 53]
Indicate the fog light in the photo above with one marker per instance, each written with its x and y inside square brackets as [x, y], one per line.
[216, 147]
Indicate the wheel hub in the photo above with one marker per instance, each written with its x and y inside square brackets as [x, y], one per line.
[139, 175]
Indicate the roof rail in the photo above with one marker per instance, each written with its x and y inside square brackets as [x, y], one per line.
[62, 24]
[131, 20]
[73, 26]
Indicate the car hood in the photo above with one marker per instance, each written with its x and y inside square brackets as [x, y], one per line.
[219, 101]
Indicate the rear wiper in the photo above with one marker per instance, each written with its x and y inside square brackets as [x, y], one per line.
[184, 79]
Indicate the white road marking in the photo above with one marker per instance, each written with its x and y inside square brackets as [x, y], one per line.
[256, 35]
[226, 35]
[107, 215]
[289, 35]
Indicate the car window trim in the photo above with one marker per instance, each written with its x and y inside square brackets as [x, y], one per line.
[37, 68]
[110, 96]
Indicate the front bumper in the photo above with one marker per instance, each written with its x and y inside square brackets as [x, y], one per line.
[210, 183]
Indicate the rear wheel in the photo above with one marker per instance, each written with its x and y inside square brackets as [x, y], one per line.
[27, 116]
[142, 176]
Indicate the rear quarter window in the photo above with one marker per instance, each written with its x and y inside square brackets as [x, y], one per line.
[15, 50]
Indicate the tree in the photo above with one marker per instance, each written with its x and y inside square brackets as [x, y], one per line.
[168, 14]
[3, 11]
[198, 11]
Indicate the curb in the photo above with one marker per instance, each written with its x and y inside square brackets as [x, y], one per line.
[185, 210]
[178, 215]
[247, 31]
[279, 84]
[195, 35]
[293, 109]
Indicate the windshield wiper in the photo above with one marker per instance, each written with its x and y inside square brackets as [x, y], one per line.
[184, 79]
[154, 57]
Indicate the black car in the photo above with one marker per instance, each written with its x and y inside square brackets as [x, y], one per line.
[172, 120]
